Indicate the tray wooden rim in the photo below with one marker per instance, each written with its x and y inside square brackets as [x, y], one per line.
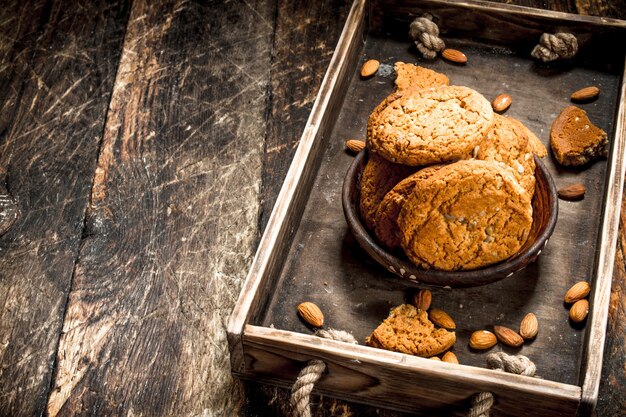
[281, 219]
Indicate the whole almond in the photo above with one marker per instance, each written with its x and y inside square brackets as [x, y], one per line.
[572, 192]
[529, 326]
[311, 314]
[369, 68]
[501, 102]
[355, 145]
[441, 319]
[482, 339]
[579, 311]
[422, 299]
[449, 357]
[454, 56]
[507, 336]
[586, 93]
[578, 291]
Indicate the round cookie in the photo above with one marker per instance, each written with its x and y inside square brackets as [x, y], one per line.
[379, 176]
[507, 143]
[535, 144]
[386, 220]
[411, 75]
[429, 126]
[467, 215]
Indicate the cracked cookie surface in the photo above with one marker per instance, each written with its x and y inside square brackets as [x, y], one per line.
[410, 75]
[379, 176]
[408, 330]
[575, 140]
[508, 144]
[467, 215]
[536, 146]
[429, 126]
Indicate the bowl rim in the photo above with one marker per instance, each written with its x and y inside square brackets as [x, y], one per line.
[417, 276]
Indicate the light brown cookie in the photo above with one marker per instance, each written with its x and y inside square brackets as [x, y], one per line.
[535, 144]
[379, 176]
[467, 215]
[409, 330]
[429, 126]
[507, 143]
[386, 220]
[575, 140]
[410, 75]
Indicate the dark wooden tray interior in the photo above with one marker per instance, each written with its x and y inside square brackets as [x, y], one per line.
[326, 266]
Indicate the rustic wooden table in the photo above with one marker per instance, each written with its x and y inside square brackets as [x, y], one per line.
[142, 147]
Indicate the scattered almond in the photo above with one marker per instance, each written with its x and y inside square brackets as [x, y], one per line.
[355, 145]
[578, 291]
[482, 339]
[311, 314]
[441, 319]
[449, 357]
[572, 192]
[454, 56]
[422, 299]
[369, 68]
[501, 102]
[507, 336]
[586, 93]
[579, 311]
[529, 326]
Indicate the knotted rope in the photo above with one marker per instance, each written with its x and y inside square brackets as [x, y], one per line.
[559, 45]
[310, 374]
[425, 33]
[500, 361]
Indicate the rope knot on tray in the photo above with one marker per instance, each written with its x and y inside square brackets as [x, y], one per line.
[425, 34]
[559, 45]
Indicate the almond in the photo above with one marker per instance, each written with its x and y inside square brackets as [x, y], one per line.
[422, 299]
[441, 319]
[449, 357]
[572, 192]
[578, 291]
[435, 358]
[501, 102]
[579, 311]
[454, 56]
[355, 145]
[311, 314]
[482, 339]
[369, 68]
[507, 336]
[586, 93]
[529, 326]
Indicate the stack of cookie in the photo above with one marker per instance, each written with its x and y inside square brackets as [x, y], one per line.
[447, 181]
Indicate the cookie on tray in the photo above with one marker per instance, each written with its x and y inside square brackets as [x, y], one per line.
[379, 176]
[408, 330]
[507, 143]
[429, 126]
[386, 220]
[535, 144]
[410, 75]
[467, 215]
[575, 140]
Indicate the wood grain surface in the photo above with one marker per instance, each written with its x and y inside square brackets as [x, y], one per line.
[141, 151]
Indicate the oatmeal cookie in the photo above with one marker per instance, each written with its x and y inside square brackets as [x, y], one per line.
[575, 140]
[386, 220]
[379, 176]
[535, 144]
[408, 330]
[506, 143]
[467, 215]
[410, 75]
[429, 126]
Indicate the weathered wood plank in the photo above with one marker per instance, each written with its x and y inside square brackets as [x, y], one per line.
[172, 221]
[57, 67]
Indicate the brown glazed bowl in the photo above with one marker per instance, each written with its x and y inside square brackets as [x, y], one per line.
[545, 209]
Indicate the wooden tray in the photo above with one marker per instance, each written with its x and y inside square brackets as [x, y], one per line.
[308, 254]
